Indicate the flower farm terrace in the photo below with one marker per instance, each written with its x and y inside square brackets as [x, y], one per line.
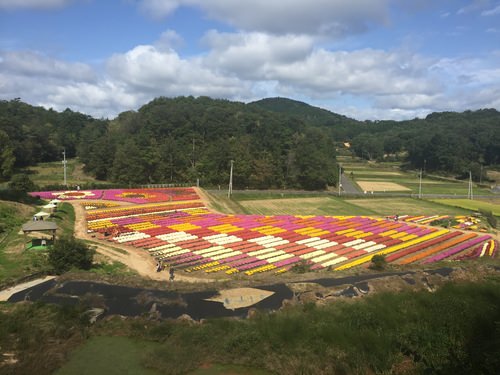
[173, 225]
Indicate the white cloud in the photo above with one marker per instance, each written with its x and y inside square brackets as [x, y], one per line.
[252, 55]
[158, 72]
[29, 63]
[250, 65]
[101, 99]
[491, 12]
[324, 17]
[474, 6]
[169, 39]
[159, 8]
[38, 4]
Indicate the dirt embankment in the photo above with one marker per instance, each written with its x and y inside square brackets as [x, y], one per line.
[134, 258]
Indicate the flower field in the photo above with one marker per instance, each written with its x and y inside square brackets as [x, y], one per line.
[138, 196]
[174, 226]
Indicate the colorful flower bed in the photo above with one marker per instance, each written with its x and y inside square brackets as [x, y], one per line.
[197, 240]
[172, 225]
[138, 196]
[68, 194]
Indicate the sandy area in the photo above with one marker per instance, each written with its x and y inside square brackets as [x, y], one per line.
[380, 186]
[240, 297]
[135, 258]
[9, 292]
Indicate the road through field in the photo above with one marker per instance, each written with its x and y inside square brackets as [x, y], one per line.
[348, 186]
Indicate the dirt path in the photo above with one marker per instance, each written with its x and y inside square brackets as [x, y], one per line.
[134, 258]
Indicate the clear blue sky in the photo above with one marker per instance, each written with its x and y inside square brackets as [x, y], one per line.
[367, 59]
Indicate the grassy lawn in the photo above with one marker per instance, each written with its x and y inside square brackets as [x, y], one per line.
[330, 206]
[14, 260]
[405, 206]
[474, 205]
[124, 355]
[65, 219]
[53, 173]
[364, 171]
[111, 356]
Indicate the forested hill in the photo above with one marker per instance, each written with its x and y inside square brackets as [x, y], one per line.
[275, 143]
[307, 113]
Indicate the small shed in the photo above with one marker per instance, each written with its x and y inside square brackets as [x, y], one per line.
[40, 216]
[40, 226]
[50, 207]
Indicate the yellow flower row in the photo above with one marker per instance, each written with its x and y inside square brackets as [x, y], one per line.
[203, 266]
[183, 227]
[225, 228]
[217, 269]
[100, 225]
[269, 230]
[142, 226]
[267, 267]
[392, 249]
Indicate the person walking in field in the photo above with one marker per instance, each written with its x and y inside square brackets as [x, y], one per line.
[172, 276]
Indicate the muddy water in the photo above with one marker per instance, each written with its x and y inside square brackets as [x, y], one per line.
[128, 301]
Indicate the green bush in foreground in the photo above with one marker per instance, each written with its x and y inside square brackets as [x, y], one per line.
[68, 252]
[455, 330]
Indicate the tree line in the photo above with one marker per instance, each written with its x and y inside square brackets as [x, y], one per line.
[274, 143]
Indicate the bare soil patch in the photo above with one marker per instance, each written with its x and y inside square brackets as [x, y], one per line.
[292, 206]
[134, 258]
[381, 186]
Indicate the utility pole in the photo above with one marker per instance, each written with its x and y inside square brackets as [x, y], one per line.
[470, 194]
[230, 191]
[340, 178]
[64, 166]
[420, 186]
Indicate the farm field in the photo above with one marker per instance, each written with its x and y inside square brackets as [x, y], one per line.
[492, 205]
[53, 173]
[405, 206]
[364, 172]
[185, 234]
[306, 206]
[174, 226]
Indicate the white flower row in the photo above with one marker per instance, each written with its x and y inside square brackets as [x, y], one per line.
[375, 248]
[324, 257]
[278, 242]
[260, 252]
[214, 237]
[168, 250]
[313, 254]
[354, 242]
[225, 240]
[208, 250]
[130, 236]
[263, 240]
[334, 261]
[364, 245]
[280, 258]
[217, 252]
[176, 237]
[174, 253]
[307, 240]
[226, 255]
[162, 247]
[270, 254]
[315, 244]
[326, 245]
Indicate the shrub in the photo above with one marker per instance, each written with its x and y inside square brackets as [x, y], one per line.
[490, 218]
[68, 252]
[378, 262]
